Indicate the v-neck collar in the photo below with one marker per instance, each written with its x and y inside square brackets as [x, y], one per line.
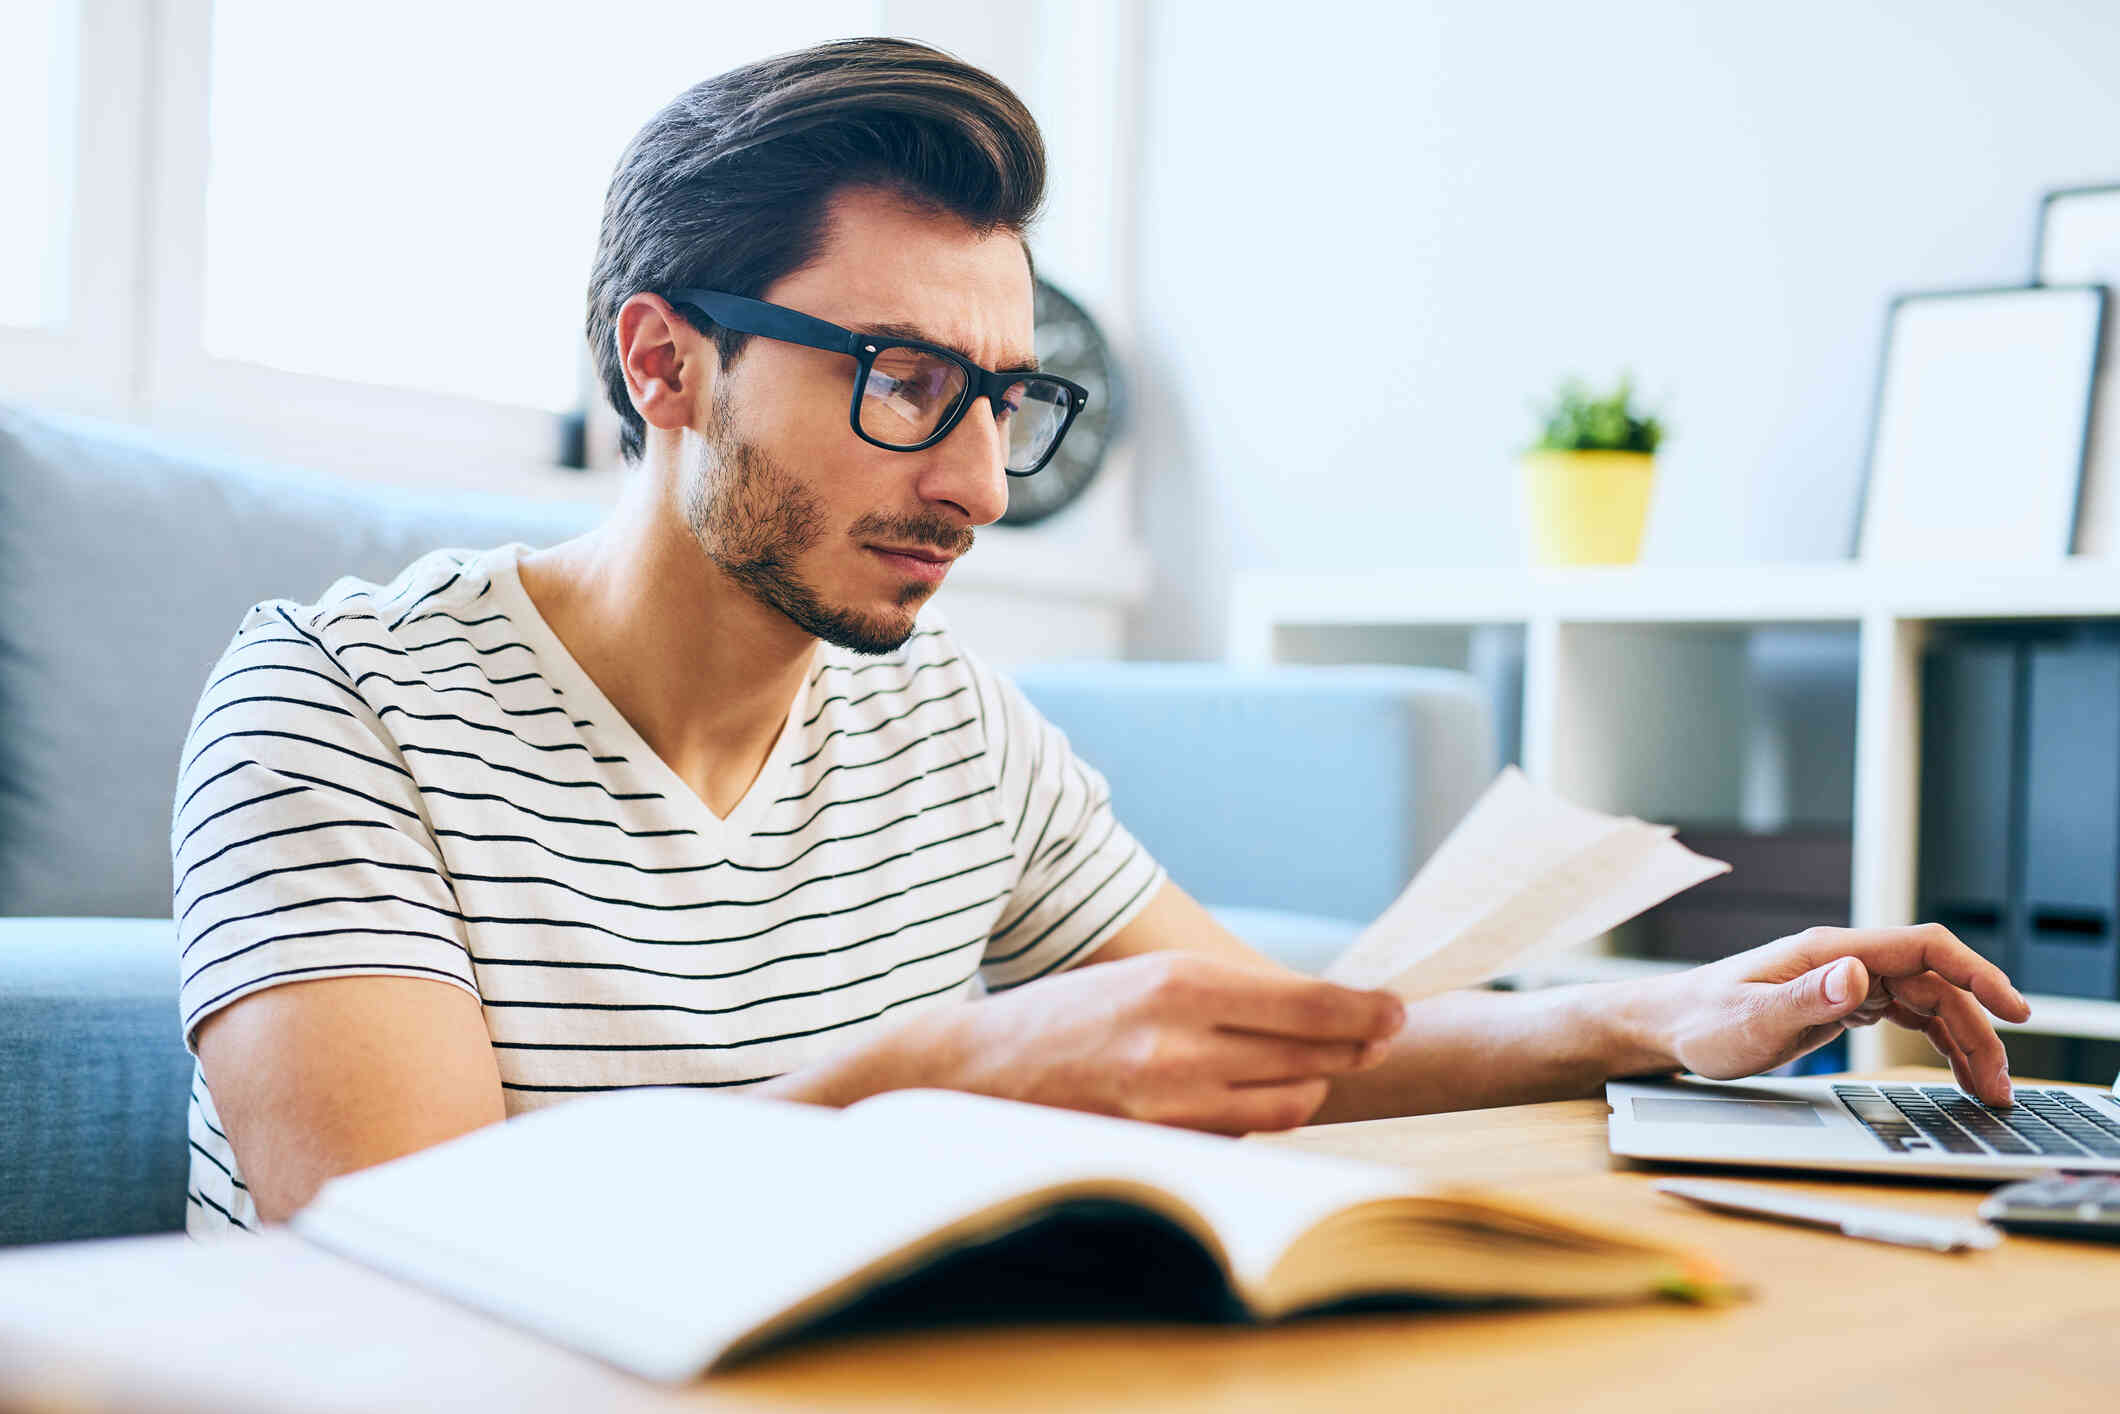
[574, 683]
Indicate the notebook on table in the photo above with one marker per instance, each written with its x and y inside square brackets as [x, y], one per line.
[670, 1231]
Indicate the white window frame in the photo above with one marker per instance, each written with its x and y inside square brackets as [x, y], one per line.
[319, 422]
[91, 362]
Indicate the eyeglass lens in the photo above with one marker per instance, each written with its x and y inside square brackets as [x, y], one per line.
[911, 392]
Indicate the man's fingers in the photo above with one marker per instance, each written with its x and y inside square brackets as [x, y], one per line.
[1962, 1070]
[1247, 1109]
[1868, 1014]
[1939, 1036]
[1968, 1027]
[1926, 947]
[1311, 1008]
[1874, 1005]
[1252, 1058]
[1825, 994]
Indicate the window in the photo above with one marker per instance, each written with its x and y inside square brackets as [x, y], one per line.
[358, 239]
[37, 67]
[406, 192]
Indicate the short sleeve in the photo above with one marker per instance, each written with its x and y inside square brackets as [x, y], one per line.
[1080, 876]
[298, 843]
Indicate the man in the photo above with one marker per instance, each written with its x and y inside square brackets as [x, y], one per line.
[703, 798]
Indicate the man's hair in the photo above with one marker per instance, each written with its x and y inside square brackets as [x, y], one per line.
[726, 187]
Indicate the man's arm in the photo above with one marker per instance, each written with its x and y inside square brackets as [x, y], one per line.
[1472, 1049]
[1745, 1014]
[1462, 1050]
[319, 1078]
[1171, 1036]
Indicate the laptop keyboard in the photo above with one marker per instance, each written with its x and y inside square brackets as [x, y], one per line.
[1929, 1118]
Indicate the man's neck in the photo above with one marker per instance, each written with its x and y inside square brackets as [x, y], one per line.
[702, 670]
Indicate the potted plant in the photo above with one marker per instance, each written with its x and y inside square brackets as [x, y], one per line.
[1587, 478]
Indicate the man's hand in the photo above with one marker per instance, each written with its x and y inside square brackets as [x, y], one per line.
[1172, 1037]
[1762, 1008]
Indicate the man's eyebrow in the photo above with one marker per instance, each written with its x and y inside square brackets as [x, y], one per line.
[1023, 363]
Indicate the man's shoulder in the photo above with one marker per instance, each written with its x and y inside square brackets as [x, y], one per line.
[353, 611]
[435, 583]
[350, 647]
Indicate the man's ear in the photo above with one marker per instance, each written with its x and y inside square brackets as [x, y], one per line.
[670, 367]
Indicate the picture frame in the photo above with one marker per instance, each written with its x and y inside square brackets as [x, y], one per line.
[1979, 424]
[2077, 242]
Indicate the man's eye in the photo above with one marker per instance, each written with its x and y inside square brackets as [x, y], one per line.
[1007, 410]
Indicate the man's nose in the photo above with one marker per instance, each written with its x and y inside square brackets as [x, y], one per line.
[965, 468]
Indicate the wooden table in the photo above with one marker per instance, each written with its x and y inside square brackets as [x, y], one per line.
[161, 1323]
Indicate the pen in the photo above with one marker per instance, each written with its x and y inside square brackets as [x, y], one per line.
[1852, 1219]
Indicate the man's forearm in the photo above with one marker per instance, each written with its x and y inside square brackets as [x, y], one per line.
[1462, 1050]
[1473, 1049]
[919, 1053]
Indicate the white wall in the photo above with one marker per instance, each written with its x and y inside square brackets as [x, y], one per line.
[1370, 234]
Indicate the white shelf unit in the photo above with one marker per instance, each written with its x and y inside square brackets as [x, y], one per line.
[1627, 678]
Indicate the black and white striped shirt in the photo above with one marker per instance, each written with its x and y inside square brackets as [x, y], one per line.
[419, 780]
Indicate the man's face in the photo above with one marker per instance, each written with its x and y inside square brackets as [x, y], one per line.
[786, 499]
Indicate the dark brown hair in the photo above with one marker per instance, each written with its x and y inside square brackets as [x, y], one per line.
[726, 187]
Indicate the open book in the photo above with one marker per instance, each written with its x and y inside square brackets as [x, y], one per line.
[700, 1227]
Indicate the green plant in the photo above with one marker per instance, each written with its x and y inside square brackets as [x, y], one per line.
[1577, 422]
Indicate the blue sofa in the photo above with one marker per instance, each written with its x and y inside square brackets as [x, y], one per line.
[1295, 802]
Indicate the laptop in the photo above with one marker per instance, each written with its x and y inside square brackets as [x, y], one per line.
[1832, 1123]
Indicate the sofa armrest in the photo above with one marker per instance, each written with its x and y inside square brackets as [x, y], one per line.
[94, 1079]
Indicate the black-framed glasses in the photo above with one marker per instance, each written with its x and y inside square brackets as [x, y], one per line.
[909, 394]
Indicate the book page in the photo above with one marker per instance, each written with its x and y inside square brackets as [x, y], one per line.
[1524, 875]
[654, 1227]
[1258, 1199]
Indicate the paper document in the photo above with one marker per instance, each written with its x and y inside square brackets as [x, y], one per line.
[1524, 875]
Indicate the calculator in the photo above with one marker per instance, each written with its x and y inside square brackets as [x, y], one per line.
[2059, 1205]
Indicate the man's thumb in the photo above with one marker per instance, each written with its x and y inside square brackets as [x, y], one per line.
[1827, 993]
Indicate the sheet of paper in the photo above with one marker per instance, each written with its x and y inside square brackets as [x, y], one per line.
[1524, 875]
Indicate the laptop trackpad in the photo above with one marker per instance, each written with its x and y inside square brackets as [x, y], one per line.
[1784, 1112]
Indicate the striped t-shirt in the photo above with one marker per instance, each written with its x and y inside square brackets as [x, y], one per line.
[418, 779]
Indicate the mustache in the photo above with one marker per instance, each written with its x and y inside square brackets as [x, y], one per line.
[942, 542]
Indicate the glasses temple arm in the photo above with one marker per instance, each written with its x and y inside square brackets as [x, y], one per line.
[750, 316]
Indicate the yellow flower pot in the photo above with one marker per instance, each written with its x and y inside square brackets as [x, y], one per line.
[1586, 508]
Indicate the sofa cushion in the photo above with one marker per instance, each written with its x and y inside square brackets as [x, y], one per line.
[1303, 941]
[93, 1079]
[1312, 789]
[125, 565]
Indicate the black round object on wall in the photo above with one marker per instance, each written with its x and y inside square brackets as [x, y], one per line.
[1070, 344]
